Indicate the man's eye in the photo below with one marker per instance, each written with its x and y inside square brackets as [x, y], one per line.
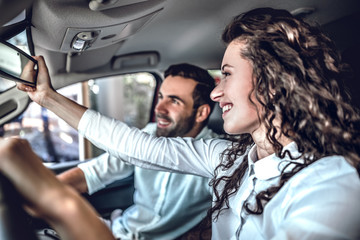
[175, 101]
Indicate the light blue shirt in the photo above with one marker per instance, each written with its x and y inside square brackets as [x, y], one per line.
[166, 205]
[319, 202]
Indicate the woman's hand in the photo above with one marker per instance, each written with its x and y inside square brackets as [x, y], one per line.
[46, 197]
[26, 171]
[29, 72]
[43, 88]
[45, 95]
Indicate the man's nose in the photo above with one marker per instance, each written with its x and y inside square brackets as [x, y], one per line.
[161, 107]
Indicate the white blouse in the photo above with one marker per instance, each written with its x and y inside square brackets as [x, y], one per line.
[319, 202]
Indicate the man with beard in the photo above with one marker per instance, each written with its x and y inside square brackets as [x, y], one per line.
[166, 205]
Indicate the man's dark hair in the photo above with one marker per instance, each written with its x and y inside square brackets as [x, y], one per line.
[205, 82]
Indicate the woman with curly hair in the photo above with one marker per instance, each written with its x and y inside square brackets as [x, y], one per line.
[291, 170]
[304, 134]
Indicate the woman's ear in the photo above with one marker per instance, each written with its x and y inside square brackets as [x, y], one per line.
[202, 113]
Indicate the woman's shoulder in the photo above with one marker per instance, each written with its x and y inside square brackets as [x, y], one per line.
[331, 171]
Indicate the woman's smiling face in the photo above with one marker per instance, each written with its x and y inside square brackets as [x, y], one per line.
[232, 92]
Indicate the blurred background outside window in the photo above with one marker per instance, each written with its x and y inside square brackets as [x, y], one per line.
[126, 97]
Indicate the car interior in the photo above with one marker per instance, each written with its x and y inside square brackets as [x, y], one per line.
[87, 42]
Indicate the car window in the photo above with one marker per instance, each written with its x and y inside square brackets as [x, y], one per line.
[216, 74]
[126, 97]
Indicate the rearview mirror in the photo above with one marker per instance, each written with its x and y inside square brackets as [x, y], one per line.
[12, 62]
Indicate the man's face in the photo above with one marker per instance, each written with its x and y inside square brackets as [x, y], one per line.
[174, 111]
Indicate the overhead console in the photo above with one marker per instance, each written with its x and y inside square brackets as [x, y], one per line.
[78, 25]
[80, 39]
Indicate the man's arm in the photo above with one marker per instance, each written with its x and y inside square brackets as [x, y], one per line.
[46, 197]
[46, 96]
[74, 177]
[92, 175]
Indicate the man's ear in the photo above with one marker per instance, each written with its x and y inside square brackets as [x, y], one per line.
[202, 113]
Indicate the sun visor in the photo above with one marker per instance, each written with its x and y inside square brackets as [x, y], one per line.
[100, 5]
[136, 60]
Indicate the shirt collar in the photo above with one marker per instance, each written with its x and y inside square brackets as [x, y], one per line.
[206, 133]
[270, 166]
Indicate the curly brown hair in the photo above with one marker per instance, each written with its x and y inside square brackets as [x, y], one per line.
[298, 74]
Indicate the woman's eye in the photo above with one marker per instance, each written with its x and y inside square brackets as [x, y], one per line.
[225, 74]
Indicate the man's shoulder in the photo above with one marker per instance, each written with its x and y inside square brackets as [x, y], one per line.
[207, 133]
[150, 128]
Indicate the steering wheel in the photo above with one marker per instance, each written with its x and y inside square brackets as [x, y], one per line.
[13, 225]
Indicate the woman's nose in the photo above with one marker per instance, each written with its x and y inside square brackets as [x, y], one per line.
[216, 93]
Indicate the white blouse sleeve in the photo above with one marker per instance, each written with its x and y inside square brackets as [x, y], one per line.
[185, 155]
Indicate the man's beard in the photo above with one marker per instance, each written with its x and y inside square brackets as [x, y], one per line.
[179, 129]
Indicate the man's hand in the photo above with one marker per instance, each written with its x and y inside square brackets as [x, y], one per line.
[75, 178]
